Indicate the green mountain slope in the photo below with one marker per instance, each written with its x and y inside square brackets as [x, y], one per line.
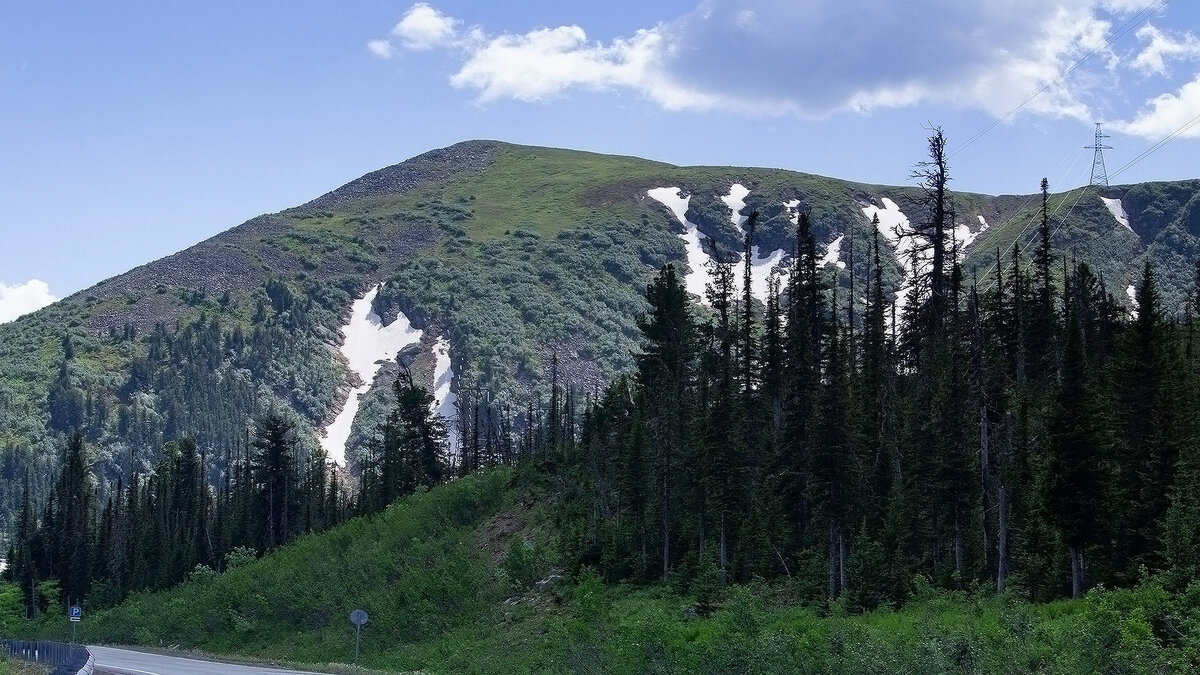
[518, 256]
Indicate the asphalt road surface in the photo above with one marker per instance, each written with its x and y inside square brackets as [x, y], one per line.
[111, 661]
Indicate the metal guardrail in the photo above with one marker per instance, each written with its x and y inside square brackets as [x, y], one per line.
[69, 659]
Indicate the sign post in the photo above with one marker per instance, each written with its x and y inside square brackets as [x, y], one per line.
[359, 618]
[75, 614]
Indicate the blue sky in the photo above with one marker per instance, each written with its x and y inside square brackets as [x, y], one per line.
[135, 130]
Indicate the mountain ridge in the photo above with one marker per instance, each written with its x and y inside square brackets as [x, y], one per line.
[519, 256]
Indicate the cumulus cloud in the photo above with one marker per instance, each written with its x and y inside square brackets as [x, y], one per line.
[424, 27]
[1161, 48]
[19, 300]
[381, 48]
[813, 59]
[1166, 114]
[545, 62]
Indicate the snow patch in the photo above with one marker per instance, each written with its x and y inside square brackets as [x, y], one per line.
[736, 201]
[965, 237]
[1131, 291]
[793, 210]
[1117, 209]
[833, 253]
[899, 233]
[698, 277]
[444, 398]
[673, 199]
[694, 242]
[762, 271]
[367, 344]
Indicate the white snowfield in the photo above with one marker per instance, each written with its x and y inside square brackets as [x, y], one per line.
[444, 398]
[898, 232]
[761, 265]
[894, 226]
[965, 237]
[736, 201]
[367, 344]
[698, 278]
[1117, 209]
[1131, 291]
[833, 253]
[697, 256]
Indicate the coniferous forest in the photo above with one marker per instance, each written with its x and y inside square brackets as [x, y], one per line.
[1019, 431]
[1013, 429]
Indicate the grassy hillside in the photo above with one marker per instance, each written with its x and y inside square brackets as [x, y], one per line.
[518, 255]
[463, 579]
[417, 569]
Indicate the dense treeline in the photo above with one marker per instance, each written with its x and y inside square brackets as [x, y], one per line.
[202, 378]
[156, 530]
[1017, 429]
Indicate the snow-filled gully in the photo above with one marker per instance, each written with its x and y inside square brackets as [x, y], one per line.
[697, 257]
[1117, 209]
[367, 344]
[894, 227]
[444, 398]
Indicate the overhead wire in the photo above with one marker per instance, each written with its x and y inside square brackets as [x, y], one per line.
[1033, 219]
[1135, 21]
[1180, 131]
[1159, 145]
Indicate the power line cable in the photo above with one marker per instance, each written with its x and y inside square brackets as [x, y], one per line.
[1135, 21]
[1159, 145]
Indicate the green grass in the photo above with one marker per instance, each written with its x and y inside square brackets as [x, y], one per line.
[13, 666]
[444, 598]
[414, 568]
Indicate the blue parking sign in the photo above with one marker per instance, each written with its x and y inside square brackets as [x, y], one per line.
[76, 612]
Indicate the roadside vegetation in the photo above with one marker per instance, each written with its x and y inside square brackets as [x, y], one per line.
[465, 578]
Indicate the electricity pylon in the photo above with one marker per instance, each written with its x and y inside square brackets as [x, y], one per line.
[1099, 173]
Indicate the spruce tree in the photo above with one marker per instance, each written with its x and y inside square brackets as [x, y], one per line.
[1073, 487]
[665, 375]
[275, 480]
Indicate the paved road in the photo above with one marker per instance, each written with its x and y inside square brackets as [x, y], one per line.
[111, 661]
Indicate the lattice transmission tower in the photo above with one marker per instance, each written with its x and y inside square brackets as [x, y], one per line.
[1099, 173]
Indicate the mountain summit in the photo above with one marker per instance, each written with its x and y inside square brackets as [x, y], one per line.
[486, 269]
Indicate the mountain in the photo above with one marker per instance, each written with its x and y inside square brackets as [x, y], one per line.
[486, 268]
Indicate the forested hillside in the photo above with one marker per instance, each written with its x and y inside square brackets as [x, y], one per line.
[878, 383]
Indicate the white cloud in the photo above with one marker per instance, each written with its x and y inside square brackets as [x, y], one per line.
[424, 27]
[16, 301]
[381, 48]
[1167, 113]
[824, 56]
[1161, 47]
[747, 19]
[548, 61]
[810, 59]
